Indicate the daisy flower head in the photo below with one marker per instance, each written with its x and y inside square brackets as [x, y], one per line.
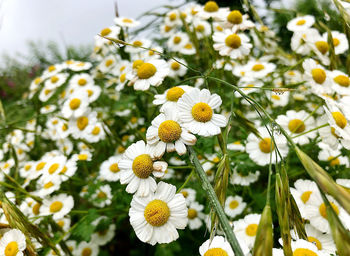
[332, 156]
[196, 111]
[109, 169]
[78, 126]
[56, 81]
[340, 82]
[235, 21]
[126, 22]
[13, 243]
[258, 68]
[48, 109]
[76, 104]
[148, 73]
[81, 80]
[195, 215]
[80, 66]
[301, 192]
[238, 178]
[157, 217]
[102, 196]
[259, 150]
[321, 48]
[337, 119]
[234, 206]
[231, 44]
[136, 169]
[212, 10]
[340, 41]
[170, 97]
[177, 69]
[52, 70]
[189, 195]
[136, 45]
[317, 77]
[296, 123]
[249, 85]
[202, 28]
[107, 64]
[46, 94]
[178, 41]
[300, 41]
[219, 246]
[167, 133]
[301, 23]
[57, 206]
[84, 248]
[235, 146]
[173, 18]
[247, 228]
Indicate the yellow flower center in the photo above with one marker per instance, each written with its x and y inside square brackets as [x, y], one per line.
[336, 42]
[339, 119]
[258, 67]
[296, 126]
[122, 77]
[74, 103]
[305, 196]
[64, 127]
[202, 112]
[172, 16]
[64, 169]
[133, 120]
[105, 31]
[37, 80]
[215, 252]
[36, 208]
[48, 185]
[304, 252]
[301, 22]
[137, 43]
[60, 223]
[233, 204]
[200, 28]
[126, 20]
[219, 28]
[235, 17]
[82, 122]
[96, 130]
[146, 70]
[184, 193]
[175, 66]
[40, 166]
[319, 75]
[322, 46]
[323, 211]
[51, 68]
[251, 229]
[192, 213]
[315, 241]
[109, 63]
[114, 168]
[82, 81]
[174, 93]
[188, 46]
[102, 195]
[86, 251]
[333, 161]
[54, 79]
[27, 167]
[167, 28]
[211, 6]
[53, 168]
[56, 206]
[233, 41]
[157, 213]
[82, 157]
[177, 40]
[266, 145]
[342, 80]
[142, 166]
[275, 97]
[137, 63]
[169, 131]
[11, 249]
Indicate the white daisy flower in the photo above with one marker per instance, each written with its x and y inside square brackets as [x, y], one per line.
[238, 178]
[109, 169]
[188, 49]
[302, 247]
[301, 23]
[136, 168]
[108, 63]
[80, 66]
[219, 246]
[332, 156]
[46, 94]
[235, 21]
[300, 41]
[48, 109]
[177, 69]
[317, 77]
[103, 237]
[78, 126]
[196, 111]
[52, 70]
[13, 243]
[230, 44]
[178, 41]
[234, 206]
[296, 123]
[167, 133]
[340, 41]
[137, 44]
[46, 185]
[320, 47]
[95, 132]
[258, 69]
[301, 192]
[235, 146]
[64, 223]
[260, 150]
[340, 82]
[156, 217]
[170, 97]
[249, 85]
[126, 22]
[55, 81]
[76, 104]
[247, 227]
[81, 80]
[189, 195]
[84, 249]
[201, 28]
[212, 10]
[337, 119]
[58, 206]
[103, 196]
[173, 18]
[195, 215]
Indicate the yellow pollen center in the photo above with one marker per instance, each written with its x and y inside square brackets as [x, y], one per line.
[258, 67]
[188, 46]
[342, 80]
[86, 252]
[56, 206]
[174, 93]
[233, 204]
[333, 161]
[27, 167]
[177, 40]
[323, 211]
[114, 168]
[167, 28]
[304, 252]
[11, 249]
[137, 43]
[54, 79]
[82, 81]
[126, 20]
[109, 62]
[133, 120]
[36, 208]
[48, 185]
[322, 46]
[82, 122]
[301, 22]
[215, 252]
[266, 145]
[315, 241]
[37, 80]
[146, 70]
[137, 63]
[275, 97]
[305, 196]
[40, 166]
[122, 78]
[319, 75]
[142, 166]
[235, 17]
[172, 16]
[157, 213]
[202, 112]
[96, 130]
[200, 28]
[51, 68]
[101, 195]
[175, 66]
[192, 213]
[211, 6]
[184, 193]
[64, 127]
[339, 119]
[169, 131]
[233, 41]
[53, 168]
[336, 42]
[82, 157]
[60, 223]
[64, 170]
[251, 229]
[105, 31]
[296, 126]
[74, 103]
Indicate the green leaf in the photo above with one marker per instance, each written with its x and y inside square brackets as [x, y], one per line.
[83, 228]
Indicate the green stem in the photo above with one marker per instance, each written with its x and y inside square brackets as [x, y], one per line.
[186, 181]
[314, 129]
[230, 236]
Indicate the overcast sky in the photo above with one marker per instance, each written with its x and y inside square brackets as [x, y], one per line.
[67, 22]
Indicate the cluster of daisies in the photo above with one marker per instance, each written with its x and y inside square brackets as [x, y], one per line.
[124, 122]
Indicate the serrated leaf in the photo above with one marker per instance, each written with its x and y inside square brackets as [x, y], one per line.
[83, 229]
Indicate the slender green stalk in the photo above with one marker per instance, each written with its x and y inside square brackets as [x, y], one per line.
[230, 236]
[186, 181]
[314, 129]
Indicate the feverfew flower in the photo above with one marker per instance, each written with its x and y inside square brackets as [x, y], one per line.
[231, 44]
[13, 242]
